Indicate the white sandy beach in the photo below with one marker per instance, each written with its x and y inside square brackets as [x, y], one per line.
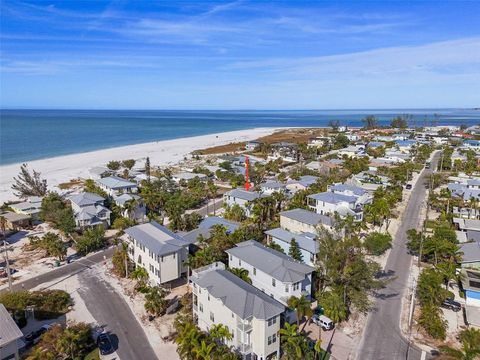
[61, 169]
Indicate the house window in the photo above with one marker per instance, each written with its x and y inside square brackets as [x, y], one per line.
[254, 271]
[272, 321]
[273, 282]
[296, 286]
[174, 255]
[233, 315]
[286, 288]
[208, 296]
[274, 338]
[212, 317]
[239, 262]
[161, 259]
[200, 307]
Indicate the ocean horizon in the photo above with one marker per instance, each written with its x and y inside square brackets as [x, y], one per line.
[27, 135]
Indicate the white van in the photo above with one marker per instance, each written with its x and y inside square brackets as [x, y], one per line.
[323, 321]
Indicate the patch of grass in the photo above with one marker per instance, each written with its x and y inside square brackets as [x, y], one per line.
[72, 183]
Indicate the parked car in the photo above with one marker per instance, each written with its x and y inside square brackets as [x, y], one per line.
[452, 305]
[104, 344]
[34, 336]
[323, 321]
[408, 186]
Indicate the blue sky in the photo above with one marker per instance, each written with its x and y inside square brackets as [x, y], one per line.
[240, 54]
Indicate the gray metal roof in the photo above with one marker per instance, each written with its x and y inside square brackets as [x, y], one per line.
[122, 199]
[85, 198]
[272, 185]
[333, 198]
[157, 238]
[471, 252]
[115, 182]
[308, 217]
[244, 195]
[272, 262]
[210, 221]
[307, 243]
[192, 236]
[358, 191]
[9, 330]
[237, 295]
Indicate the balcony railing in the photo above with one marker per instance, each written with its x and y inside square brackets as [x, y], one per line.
[244, 326]
[245, 348]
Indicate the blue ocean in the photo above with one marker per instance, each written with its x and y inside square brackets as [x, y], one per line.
[36, 134]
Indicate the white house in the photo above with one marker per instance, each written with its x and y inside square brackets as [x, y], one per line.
[362, 195]
[288, 152]
[271, 271]
[115, 185]
[31, 207]
[252, 145]
[318, 141]
[301, 221]
[269, 187]
[160, 251]
[186, 176]
[241, 198]
[329, 203]
[302, 183]
[89, 210]
[253, 318]
[307, 243]
[10, 336]
[138, 213]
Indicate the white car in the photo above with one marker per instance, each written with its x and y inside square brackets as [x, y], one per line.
[323, 321]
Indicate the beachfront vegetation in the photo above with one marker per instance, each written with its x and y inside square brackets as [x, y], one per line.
[92, 239]
[370, 122]
[56, 211]
[114, 165]
[28, 184]
[399, 122]
[51, 244]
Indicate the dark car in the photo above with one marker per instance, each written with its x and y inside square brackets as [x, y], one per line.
[408, 186]
[34, 336]
[104, 344]
[452, 305]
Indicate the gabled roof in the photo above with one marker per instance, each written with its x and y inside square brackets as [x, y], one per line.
[157, 238]
[237, 295]
[358, 191]
[308, 217]
[272, 185]
[272, 262]
[122, 199]
[306, 243]
[210, 221]
[9, 330]
[85, 198]
[193, 235]
[115, 182]
[333, 198]
[244, 195]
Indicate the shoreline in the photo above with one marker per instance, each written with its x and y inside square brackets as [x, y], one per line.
[61, 169]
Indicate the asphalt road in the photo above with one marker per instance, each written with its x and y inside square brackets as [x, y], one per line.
[112, 313]
[64, 271]
[382, 338]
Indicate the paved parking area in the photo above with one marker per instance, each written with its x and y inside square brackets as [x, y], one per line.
[335, 341]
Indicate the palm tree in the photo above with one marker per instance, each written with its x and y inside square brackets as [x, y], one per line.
[470, 350]
[186, 340]
[130, 207]
[241, 273]
[204, 350]
[220, 333]
[155, 302]
[301, 305]
[292, 341]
